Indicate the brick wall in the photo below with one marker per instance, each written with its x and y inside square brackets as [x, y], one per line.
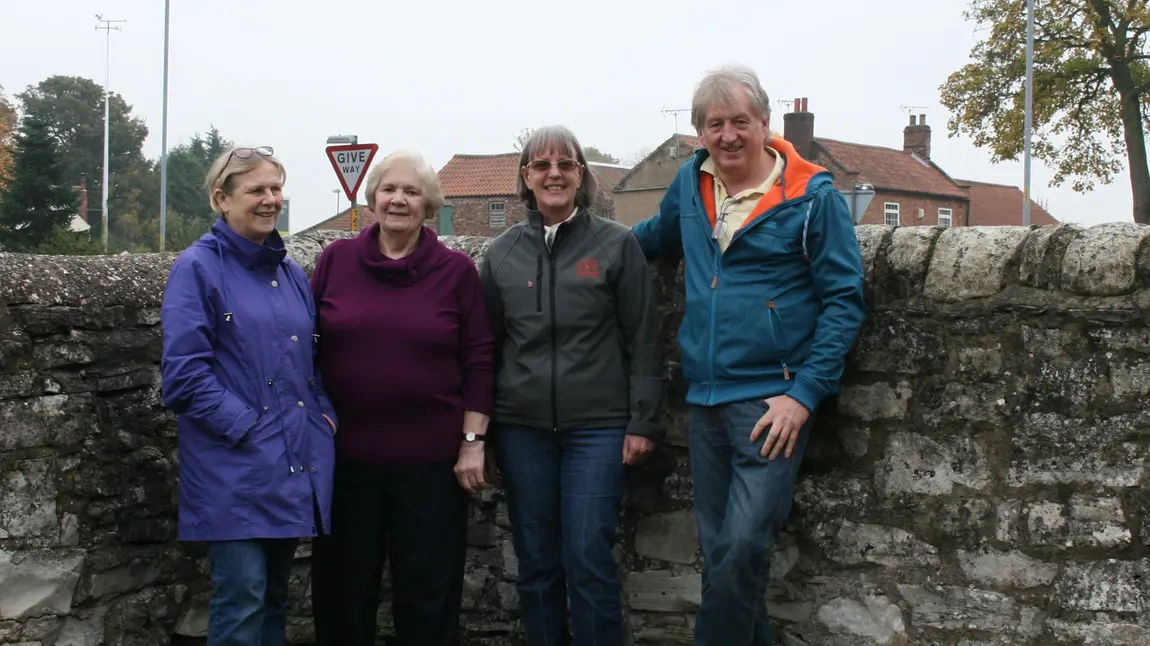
[470, 215]
[909, 206]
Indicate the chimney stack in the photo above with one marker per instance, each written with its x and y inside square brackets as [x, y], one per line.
[916, 137]
[799, 128]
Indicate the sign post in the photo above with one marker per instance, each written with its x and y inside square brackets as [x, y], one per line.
[351, 163]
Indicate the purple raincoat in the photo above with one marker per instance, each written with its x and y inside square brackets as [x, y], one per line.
[238, 368]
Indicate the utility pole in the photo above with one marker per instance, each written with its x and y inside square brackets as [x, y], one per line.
[108, 26]
[164, 136]
[1029, 113]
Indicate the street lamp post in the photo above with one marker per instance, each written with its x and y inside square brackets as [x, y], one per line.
[164, 136]
[108, 26]
[346, 140]
[1029, 113]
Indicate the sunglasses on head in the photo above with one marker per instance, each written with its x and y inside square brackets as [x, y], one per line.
[543, 165]
[245, 153]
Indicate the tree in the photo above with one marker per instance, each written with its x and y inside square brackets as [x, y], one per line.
[639, 155]
[593, 154]
[1091, 89]
[37, 198]
[7, 129]
[188, 165]
[74, 109]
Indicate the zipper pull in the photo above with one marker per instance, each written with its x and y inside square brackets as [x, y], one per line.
[715, 281]
[786, 372]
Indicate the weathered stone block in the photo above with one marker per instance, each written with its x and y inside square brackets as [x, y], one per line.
[871, 240]
[1103, 260]
[27, 500]
[973, 262]
[669, 537]
[891, 345]
[854, 544]
[908, 257]
[44, 421]
[1085, 522]
[1104, 586]
[960, 609]
[1051, 449]
[1100, 633]
[874, 618]
[916, 464]
[875, 401]
[38, 582]
[1011, 569]
[1042, 255]
[662, 591]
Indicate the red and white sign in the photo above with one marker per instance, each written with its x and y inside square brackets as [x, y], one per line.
[351, 163]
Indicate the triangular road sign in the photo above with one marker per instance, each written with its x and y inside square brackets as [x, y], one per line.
[351, 163]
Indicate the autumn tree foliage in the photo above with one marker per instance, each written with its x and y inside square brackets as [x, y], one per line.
[1091, 89]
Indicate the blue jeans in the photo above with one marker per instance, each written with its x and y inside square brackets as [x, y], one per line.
[250, 591]
[563, 498]
[742, 500]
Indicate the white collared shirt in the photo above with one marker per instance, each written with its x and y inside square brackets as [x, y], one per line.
[550, 230]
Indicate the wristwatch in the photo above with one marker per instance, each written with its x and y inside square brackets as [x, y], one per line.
[473, 437]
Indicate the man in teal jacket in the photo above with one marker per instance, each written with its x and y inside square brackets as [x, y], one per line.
[774, 300]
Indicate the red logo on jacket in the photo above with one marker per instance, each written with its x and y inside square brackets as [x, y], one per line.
[588, 268]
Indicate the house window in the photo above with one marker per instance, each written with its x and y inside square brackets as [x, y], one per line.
[890, 214]
[497, 215]
[944, 218]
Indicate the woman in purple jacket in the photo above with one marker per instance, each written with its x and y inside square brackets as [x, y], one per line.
[407, 350]
[255, 427]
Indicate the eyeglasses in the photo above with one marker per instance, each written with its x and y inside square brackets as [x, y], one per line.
[564, 165]
[721, 221]
[246, 153]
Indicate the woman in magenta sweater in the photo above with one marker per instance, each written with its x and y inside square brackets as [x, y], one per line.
[407, 355]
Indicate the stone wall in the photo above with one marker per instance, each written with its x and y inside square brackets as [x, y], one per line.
[981, 480]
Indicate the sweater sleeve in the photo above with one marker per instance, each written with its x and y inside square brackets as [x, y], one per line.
[476, 343]
[317, 283]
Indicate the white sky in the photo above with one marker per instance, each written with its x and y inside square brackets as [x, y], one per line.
[459, 76]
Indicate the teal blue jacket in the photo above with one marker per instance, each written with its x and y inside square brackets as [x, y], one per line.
[776, 313]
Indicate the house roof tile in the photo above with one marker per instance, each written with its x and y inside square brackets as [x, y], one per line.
[999, 204]
[494, 175]
[890, 169]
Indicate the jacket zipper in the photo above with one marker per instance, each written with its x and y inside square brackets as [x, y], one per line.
[780, 339]
[554, 345]
[539, 284]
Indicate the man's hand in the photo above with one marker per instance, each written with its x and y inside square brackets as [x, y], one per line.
[785, 417]
[469, 467]
[635, 449]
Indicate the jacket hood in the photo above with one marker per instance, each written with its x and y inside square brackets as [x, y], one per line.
[222, 239]
[428, 253]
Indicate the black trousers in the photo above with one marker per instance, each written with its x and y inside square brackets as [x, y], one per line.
[415, 518]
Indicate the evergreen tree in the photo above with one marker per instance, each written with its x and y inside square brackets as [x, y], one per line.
[37, 197]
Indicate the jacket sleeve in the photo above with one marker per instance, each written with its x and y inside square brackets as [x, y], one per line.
[660, 236]
[494, 306]
[477, 351]
[837, 271]
[190, 388]
[635, 304]
[316, 297]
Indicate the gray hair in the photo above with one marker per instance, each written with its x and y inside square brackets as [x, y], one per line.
[724, 86]
[430, 187]
[559, 138]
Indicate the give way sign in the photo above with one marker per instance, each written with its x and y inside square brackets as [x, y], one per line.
[350, 163]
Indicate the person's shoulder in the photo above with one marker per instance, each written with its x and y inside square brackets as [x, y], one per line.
[609, 231]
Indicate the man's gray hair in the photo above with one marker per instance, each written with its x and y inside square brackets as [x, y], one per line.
[725, 86]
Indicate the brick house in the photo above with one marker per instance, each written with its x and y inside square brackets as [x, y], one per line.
[481, 198]
[910, 188]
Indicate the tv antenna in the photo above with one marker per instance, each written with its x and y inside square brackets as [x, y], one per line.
[911, 109]
[675, 113]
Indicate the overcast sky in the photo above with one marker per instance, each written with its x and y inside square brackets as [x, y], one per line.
[459, 76]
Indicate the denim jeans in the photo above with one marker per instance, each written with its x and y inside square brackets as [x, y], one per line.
[250, 590]
[742, 500]
[563, 496]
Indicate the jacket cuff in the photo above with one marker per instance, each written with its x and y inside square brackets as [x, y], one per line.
[649, 430]
[806, 394]
[237, 430]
